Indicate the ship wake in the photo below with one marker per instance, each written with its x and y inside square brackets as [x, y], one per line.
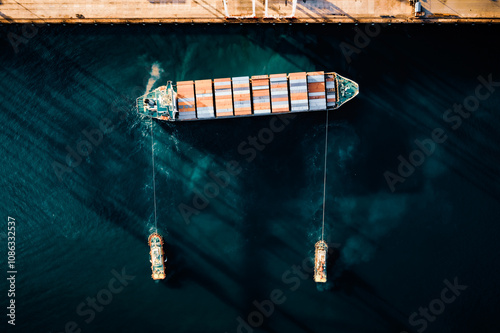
[154, 75]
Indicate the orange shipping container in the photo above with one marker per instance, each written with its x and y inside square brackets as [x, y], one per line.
[298, 92]
[279, 93]
[223, 97]
[241, 96]
[204, 99]
[261, 95]
[185, 100]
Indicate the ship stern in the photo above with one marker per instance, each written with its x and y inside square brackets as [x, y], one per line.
[159, 103]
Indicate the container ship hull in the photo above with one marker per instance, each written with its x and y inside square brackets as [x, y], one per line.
[246, 96]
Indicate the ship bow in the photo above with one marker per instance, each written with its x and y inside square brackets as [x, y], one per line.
[347, 90]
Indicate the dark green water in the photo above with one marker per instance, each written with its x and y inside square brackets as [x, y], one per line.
[390, 251]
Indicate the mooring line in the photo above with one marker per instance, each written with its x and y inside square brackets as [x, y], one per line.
[324, 178]
[154, 179]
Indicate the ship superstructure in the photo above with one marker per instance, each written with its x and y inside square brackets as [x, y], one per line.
[157, 256]
[320, 252]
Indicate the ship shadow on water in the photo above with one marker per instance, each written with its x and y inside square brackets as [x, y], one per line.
[256, 225]
[214, 140]
[174, 267]
[351, 287]
[345, 283]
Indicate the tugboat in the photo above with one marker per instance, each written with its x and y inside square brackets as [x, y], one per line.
[157, 254]
[320, 261]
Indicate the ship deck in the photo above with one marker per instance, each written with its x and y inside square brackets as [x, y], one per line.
[162, 105]
[248, 96]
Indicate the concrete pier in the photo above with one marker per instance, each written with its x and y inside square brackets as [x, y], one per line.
[213, 11]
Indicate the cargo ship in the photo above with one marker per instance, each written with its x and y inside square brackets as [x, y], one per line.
[156, 256]
[320, 261]
[247, 96]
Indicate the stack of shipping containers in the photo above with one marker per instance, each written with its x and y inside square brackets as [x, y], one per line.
[316, 91]
[279, 93]
[204, 99]
[260, 93]
[223, 97]
[297, 92]
[185, 100]
[241, 96]
[331, 97]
